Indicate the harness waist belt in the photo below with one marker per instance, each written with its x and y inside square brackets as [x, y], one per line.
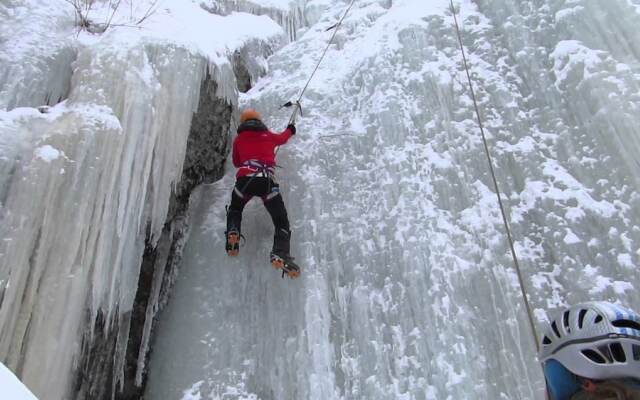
[258, 168]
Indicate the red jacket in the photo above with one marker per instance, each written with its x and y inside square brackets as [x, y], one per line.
[256, 142]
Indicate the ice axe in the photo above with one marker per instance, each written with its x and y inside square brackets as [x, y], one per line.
[331, 27]
[297, 109]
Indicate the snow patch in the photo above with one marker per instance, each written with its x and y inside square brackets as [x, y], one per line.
[11, 387]
[48, 153]
[566, 13]
[571, 56]
[571, 238]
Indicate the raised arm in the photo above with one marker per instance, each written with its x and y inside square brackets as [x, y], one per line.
[282, 137]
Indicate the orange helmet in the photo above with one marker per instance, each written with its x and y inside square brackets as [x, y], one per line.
[248, 114]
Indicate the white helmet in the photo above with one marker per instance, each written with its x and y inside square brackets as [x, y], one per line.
[595, 340]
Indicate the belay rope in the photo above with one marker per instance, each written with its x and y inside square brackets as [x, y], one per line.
[497, 189]
[296, 103]
[298, 109]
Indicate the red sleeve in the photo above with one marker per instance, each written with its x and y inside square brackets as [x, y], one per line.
[236, 156]
[282, 137]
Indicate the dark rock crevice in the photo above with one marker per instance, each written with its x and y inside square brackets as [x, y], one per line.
[98, 376]
[250, 63]
[95, 370]
[243, 76]
[207, 149]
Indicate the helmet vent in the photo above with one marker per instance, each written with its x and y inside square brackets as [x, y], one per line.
[555, 329]
[565, 321]
[598, 319]
[581, 315]
[546, 340]
[606, 353]
[626, 323]
[618, 352]
[636, 352]
[593, 356]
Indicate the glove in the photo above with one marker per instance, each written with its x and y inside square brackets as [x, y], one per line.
[293, 128]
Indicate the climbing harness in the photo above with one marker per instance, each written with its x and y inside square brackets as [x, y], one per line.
[335, 27]
[258, 168]
[495, 185]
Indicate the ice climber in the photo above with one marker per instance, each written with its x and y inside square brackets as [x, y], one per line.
[592, 351]
[254, 156]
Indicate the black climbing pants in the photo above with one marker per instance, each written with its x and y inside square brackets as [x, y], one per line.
[269, 191]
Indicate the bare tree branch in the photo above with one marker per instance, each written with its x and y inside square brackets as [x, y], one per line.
[115, 9]
[150, 11]
[84, 7]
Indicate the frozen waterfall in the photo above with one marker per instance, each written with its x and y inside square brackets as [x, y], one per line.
[95, 187]
[407, 290]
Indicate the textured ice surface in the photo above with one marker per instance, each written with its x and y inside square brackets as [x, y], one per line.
[36, 52]
[408, 291]
[293, 15]
[84, 185]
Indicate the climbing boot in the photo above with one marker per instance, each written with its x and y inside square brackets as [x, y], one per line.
[286, 264]
[233, 242]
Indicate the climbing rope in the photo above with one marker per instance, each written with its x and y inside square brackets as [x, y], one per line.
[335, 27]
[495, 185]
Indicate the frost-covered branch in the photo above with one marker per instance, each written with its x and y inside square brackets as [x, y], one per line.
[150, 11]
[82, 9]
[84, 22]
[114, 7]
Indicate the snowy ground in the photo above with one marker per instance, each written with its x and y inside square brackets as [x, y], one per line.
[12, 388]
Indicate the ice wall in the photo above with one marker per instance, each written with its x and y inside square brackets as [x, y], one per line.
[36, 68]
[293, 15]
[75, 221]
[408, 289]
[95, 188]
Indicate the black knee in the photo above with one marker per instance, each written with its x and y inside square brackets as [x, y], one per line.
[282, 233]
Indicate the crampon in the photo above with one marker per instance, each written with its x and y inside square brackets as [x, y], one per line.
[286, 264]
[233, 243]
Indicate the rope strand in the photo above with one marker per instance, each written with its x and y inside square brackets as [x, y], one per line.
[324, 53]
[335, 28]
[497, 189]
